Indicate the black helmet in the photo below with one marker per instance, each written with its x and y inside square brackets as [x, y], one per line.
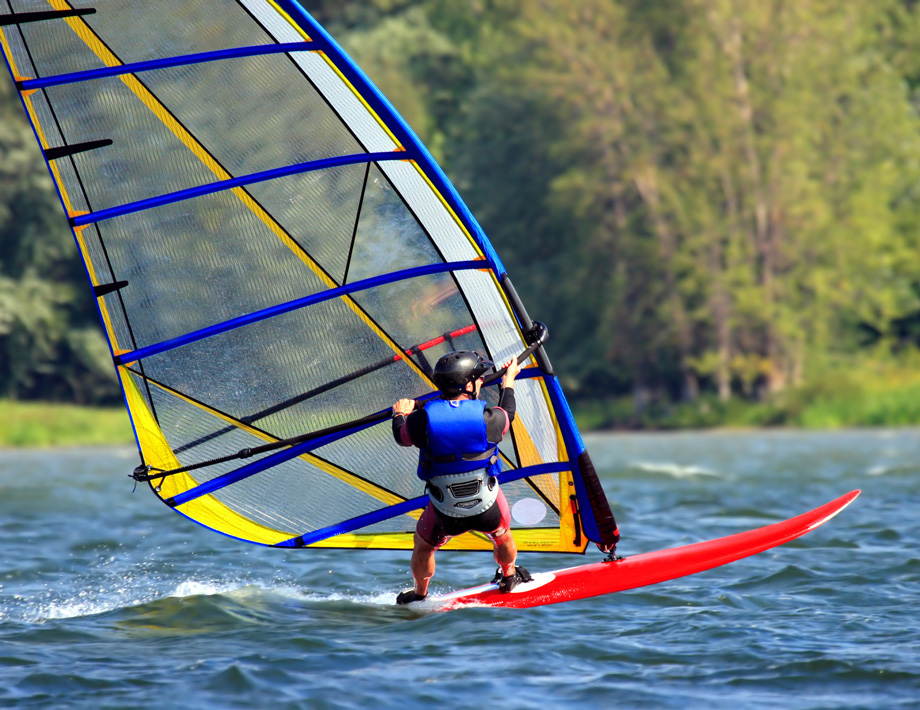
[454, 370]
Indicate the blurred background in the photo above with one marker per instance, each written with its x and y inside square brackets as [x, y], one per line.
[713, 204]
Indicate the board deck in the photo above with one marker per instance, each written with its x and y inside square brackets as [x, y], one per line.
[599, 578]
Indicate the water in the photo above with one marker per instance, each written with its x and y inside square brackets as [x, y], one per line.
[110, 600]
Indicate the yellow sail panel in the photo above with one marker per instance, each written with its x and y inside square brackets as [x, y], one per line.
[527, 540]
[206, 510]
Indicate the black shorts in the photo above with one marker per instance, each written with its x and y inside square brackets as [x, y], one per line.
[437, 529]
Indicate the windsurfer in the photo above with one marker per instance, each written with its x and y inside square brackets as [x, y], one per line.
[457, 437]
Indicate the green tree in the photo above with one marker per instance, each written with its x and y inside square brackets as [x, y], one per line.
[51, 346]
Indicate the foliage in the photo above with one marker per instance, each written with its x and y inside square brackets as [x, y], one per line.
[51, 346]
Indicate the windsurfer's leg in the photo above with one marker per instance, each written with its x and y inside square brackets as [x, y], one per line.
[422, 565]
[504, 548]
[505, 551]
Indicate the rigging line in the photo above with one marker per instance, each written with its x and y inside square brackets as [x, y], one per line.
[316, 391]
[231, 183]
[294, 305]
[21, 18]
[366, 486]
[408, 506]
[165, 63]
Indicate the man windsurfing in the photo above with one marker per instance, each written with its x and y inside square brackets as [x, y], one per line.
[457, 437]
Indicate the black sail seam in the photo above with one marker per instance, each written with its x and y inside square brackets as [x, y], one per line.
[20, 18]
[354, 233]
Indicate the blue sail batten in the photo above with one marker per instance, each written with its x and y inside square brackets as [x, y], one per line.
[290, 306]
[268, 462]
[297, 304]
[394, 511]
[223, 185]
[167, 63]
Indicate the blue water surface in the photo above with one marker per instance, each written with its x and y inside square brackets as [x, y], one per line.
[111, 600]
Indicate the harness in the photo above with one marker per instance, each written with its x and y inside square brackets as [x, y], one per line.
[459, 464]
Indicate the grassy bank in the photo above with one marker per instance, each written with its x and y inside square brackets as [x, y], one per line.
[40, 424]
[883, 397]
[874, 398]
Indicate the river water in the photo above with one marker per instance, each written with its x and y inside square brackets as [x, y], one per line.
[110, 600]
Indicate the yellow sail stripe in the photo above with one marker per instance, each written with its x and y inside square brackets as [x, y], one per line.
[43, 141]
[103, 309]
[8, 53]
[290, 21]
[455, 218]
[527, 540]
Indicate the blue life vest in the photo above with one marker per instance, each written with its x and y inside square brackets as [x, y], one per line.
[457, 440]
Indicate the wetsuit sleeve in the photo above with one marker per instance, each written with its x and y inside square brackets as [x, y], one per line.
[411, 430]
[498, 419]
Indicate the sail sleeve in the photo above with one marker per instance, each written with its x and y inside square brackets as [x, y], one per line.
[273, 251]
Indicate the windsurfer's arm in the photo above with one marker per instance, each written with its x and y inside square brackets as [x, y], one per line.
[409, 424]
[498, 419]
[512, 370]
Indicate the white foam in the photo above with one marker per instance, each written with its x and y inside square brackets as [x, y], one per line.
[673, 469]
[192, 588]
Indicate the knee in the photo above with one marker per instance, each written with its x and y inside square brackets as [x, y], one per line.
[422, 546]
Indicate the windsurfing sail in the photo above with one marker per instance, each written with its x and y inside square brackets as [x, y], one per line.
[277, 259]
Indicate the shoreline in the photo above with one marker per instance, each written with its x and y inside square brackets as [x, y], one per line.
[46, 425]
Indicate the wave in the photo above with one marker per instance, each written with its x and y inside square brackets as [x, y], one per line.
[674, 470]
[886, 470]
[146, 598]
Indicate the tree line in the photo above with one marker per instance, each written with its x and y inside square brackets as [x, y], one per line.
[698, 196]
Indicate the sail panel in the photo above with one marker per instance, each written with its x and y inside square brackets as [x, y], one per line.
[158, 160]
[252, 368]
[251, 293]
[53, 46]
[262, 128]
[194, 264]
[498, 326]
[134, 31]
[388, 237]
[283, 497]
[449, 234]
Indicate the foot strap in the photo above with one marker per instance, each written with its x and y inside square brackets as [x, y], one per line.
[506, 584]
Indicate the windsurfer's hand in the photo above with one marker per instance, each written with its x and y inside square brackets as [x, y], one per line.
[513, 369]
[404, 407]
